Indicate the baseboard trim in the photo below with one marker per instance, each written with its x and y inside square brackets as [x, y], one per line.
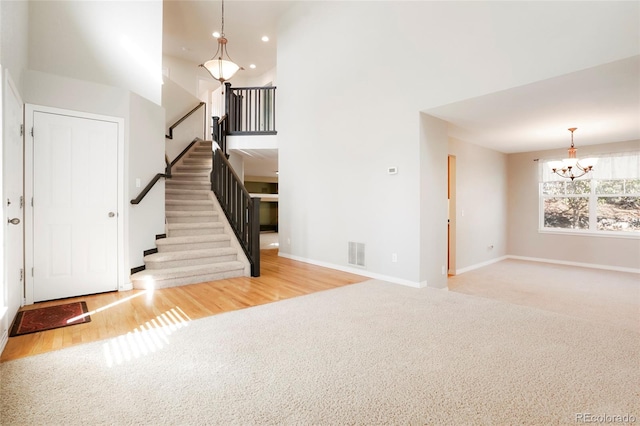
[480, 265]
[150, 251]
[4, 338]
[356, 271]
[137, 269]
[580, 264]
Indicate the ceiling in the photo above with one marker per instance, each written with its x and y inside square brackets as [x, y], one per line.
[602, 102]
[188, 28]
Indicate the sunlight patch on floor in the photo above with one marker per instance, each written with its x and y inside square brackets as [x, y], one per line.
[148, 338]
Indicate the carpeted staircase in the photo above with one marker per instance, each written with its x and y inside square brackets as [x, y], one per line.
[200, 246]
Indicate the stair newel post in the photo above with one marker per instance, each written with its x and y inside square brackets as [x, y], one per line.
[228, 103]
[254, 229]
[215, 129]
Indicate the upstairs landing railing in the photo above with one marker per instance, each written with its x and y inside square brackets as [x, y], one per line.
[250, 110]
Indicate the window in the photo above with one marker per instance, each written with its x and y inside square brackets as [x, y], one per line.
[606, 201]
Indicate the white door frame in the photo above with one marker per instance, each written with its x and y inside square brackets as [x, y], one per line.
[30, 110]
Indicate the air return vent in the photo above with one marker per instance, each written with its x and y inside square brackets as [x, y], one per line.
[356, 253]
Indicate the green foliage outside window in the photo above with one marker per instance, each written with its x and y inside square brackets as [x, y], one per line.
[569, 205]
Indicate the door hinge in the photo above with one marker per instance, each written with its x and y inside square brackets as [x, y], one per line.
[32, 272]
[22, 130]
[21, 274]
[21, 201]
[31, 201]
[32, 132]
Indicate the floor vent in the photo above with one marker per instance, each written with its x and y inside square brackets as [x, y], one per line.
[356, 253]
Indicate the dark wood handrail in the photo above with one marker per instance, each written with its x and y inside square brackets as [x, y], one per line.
[150, 185]
[242, 211]
[187, 115]
[166, 174]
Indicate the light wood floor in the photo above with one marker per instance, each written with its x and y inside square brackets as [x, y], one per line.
[122, 312]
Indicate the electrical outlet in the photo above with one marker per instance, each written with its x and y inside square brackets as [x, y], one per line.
[394, 257]
[137, 182]
[444, 271]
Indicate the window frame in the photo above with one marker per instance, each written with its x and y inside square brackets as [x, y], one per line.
[592, 196]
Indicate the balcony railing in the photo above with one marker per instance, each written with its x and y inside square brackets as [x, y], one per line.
[250, 110]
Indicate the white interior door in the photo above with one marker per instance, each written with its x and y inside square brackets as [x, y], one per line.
[13, 220]
[75, 206]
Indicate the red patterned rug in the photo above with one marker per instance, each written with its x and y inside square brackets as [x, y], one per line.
[48, 318]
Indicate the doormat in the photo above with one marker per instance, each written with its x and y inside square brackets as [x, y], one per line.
[41, 319]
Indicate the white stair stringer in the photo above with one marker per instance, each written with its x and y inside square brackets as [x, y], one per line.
[200, 245]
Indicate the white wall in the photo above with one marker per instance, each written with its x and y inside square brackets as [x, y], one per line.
[118, 43]
[178, 102]
[146, 158]
[523, 218]
[13, 60]
[481, 204]
[13, 38]
[433, 201]
[344, 119]
[187, 75]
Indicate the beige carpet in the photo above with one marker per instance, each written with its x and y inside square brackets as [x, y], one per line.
[598, 295]
[368, 353]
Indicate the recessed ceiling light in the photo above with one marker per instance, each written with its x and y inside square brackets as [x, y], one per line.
[265, 38]
[216, 34]
[252, 66]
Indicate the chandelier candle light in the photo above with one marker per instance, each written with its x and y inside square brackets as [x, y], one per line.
[571, 168]
[220, 66]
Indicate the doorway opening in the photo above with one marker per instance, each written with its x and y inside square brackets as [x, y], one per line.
[451, 218]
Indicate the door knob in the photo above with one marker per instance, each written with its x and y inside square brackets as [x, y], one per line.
[111, 214]
[14, 221]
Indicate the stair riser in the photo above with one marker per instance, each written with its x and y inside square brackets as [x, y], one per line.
[192, 219]
[198, 161]
[193, 169]
[193, 232]
[187, 208]
[168, 248]
[141, 285]
[196, 177]
[196, 185]
[170, 196]
[190, 262]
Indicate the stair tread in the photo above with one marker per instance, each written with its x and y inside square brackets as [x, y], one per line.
[189, 174]
[185, 271]
[191, 213]
[194, 225]
[174, 201]
[193, 239]
[190, 254]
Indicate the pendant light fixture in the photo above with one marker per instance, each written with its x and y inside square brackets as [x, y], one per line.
[220, 66]
[572, 168]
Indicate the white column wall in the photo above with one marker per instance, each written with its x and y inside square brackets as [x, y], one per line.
[481, 205]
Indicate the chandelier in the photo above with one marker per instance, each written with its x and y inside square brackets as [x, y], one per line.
[220, 66]
[571, 168]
